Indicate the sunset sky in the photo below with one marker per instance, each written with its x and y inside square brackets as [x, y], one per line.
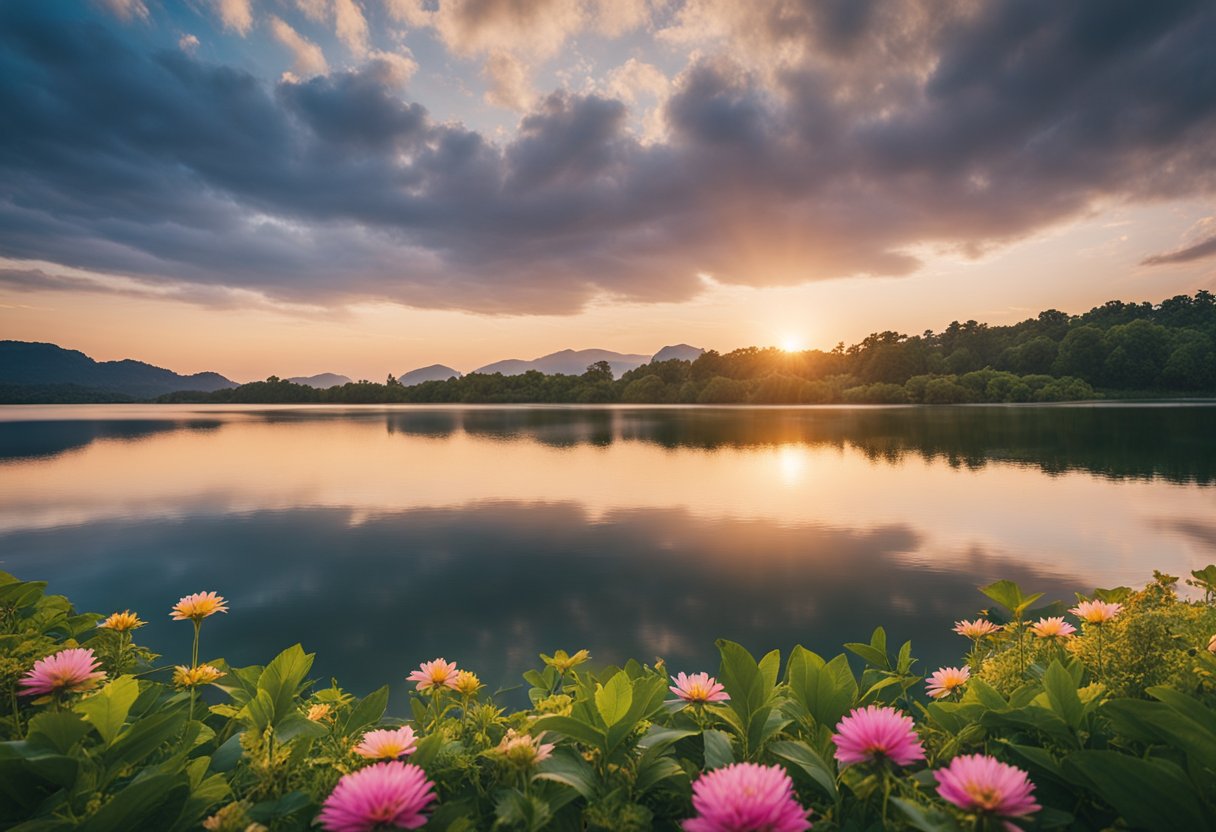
[368, 186]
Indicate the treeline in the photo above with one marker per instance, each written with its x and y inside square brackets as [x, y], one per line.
[1117, 349]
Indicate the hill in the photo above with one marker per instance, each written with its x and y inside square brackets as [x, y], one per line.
[321, 381]
[25, 364]
[566, 362]
[677, 352]
[435, 372]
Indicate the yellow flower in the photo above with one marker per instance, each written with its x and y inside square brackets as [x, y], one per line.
[467, 683]
[192, 677]
[198, 606]
[563, 662]
[319, 712]
[122, 622]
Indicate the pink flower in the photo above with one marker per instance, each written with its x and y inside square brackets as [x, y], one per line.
[1096, 612]
[746, 797]
[876, 733]
[947, 680]
[381, 796]
[977, 629]
[1052, 628]
[387, 745]
[1212, 645]
[699, 687]
[68, 671]
[437, 673]
[982, 784]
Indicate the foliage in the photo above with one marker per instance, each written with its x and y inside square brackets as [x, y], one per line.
[1116, 727]
[1117, 349]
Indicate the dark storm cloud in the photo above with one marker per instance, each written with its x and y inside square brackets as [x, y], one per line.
[1018, 114]
[1206, 248]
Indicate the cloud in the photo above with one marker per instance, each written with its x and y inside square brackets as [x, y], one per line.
[792, 160]
[126, 10]
[308, 57]
[188, 43]
[236, 15]
[351, 26]
[507, 82]
[1202, 249]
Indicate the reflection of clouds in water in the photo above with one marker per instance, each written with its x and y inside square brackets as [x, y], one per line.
[493, 585]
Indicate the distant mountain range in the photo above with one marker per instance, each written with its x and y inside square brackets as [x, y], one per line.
[575, 362]
[51, 369]
[322, 381]
[37, 372]
[435, 372]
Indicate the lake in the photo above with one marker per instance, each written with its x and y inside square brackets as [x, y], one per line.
[381, 537]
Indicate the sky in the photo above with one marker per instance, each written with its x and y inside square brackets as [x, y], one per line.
[290, 187]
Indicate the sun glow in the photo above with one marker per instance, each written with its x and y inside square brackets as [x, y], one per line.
[792, 343]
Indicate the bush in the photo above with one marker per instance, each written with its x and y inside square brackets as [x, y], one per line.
[1127, 700]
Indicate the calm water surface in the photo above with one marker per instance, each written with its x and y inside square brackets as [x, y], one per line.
[379, 537]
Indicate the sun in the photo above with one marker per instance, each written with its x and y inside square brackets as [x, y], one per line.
[792, 343]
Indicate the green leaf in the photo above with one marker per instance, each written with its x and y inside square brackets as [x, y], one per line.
[514, 809]
[58, 730]
[614, 699]
[1147, 794]
[573, 728]
[151, 803]
[258, 712]
[925, 818]
[569, 769]
[658, 737]
[107, 710]
[288, 804]
[871, 655]
[368, 712]
[826, 690]
[718, 752]
[807, 759]
[1061, 692]
[653, 770]
[1009, 595]
[283, 679]
[142, 738]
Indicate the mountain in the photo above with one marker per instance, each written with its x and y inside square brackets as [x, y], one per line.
[321, 381]
[568, 362]
[435, 372]
[25, 364]
[683, 352]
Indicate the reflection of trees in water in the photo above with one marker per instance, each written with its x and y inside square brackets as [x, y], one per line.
[492, 585]
[1174, 443]
[35, 439]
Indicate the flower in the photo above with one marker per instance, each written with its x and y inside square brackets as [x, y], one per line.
[387, 745]
[982, 784]
[870, 734]
[1055, 627]
[699, 687]
[522, 750]
[198, 606]
[320, 711]
[122, 622]
[1212, 644]
[381, 796]
[467, 683]
[193, 677]
[977, 629]
[947, 680]
[68, 671]
[562, 662]
[1096, 612]
[746, 797]
[437, 673]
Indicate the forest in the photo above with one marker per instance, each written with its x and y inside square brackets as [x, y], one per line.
[1117, 350]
